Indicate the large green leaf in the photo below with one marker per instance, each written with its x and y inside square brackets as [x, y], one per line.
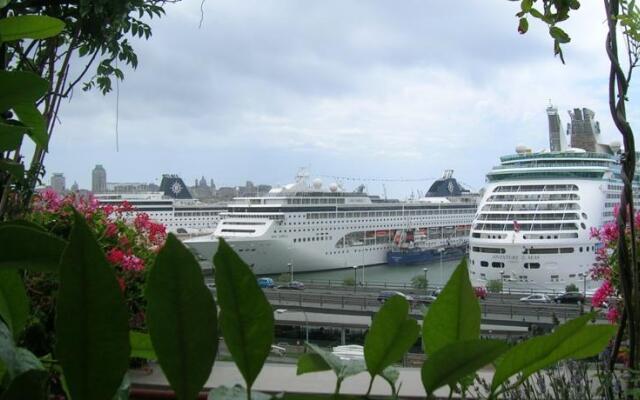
[11, 135]
[14, 168]
[30, 385]
[29, 248]
[141, 346]
[15, 360]
[29, 27]
[246, 317]
[573, 339]
[182, 320]
[14, 304]
[391, 335]
[234, 393]
[454, 361]
[342, 368]
[311, 362]
[20, 87]
[31, 117]
[92, 328]
[454, 315]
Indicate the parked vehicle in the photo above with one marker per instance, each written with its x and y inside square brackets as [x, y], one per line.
[386, 294]
[570, 297]
[293, 285]
[424, 299]
[480, 292]
[266, 283]
[536, 298]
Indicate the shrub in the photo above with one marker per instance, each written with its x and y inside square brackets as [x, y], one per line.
[419, 282]
[494, 286]
[571, 288]
[283, 278]
[349, 281]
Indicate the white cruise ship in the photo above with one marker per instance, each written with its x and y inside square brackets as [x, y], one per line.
[311, 227]
[532, 230]
[172, 206]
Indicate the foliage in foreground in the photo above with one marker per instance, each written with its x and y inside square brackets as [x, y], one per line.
[93, 331]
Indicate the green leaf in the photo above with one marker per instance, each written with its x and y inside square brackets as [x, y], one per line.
[92, 327]
[29, 27]
[392, 334]
[246, 317]
[29, 248]
[10, 135]
[30, 385]
[16, 360]
[523, 26]
[342, 369]
[311, 362]
[15, 168]
[573, 339]
[21, 223]
[182, 320]
[559, 34]
[3, 3]
[123, 390]
[31, 117]
[20, 87]
[454, 315]
[141, 346]
[234, 393]
[14, 304]
[526, 5]
[454, 361]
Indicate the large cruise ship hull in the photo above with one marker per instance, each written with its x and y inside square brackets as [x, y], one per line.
[510, 241]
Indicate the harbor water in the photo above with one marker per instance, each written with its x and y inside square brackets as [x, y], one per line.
[437, 273]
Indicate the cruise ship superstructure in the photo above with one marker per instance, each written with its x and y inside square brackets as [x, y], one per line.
[313, 227]
[172, 206]
[532, 230]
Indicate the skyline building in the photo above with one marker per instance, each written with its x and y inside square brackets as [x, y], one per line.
[99, 179]
[58, 182]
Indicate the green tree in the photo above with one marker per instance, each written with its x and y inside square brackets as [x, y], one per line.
[494, 286]
[571, 288]
[95, 43]
[419, 282]
[349, 281]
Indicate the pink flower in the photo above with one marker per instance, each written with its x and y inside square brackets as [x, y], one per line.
[112, 230]
[142, 221]
[108, 209]
[51, 200]
[600, 296]
[115, 256]
[613, 315]
[132, 263]
[122, 283]
[594, 233]
[125, 206]
[610, 232]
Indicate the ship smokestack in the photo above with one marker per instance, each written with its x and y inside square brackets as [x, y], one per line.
[557, 141]
[584, 129]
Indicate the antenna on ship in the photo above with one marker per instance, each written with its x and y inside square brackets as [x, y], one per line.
[384, 190]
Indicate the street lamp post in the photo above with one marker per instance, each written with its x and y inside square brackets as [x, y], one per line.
[290, 272]
[441, 250]
[355, 278]
[426, 282]
[501, 281]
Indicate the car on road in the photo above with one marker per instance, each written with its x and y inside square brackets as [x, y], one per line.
[480, 292]
[570, 298]
[424, 299]
[266, 283]
[293, 285]
[386, 294]
[536, 298]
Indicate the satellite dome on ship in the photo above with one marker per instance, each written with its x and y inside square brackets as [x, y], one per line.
[446, 186]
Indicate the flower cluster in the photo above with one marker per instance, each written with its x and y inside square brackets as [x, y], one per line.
[607, 270]
[130, 240]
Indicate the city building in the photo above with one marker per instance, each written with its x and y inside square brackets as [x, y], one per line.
[99, 179]
[58, 182]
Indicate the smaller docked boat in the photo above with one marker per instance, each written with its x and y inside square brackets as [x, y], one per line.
[411, 247]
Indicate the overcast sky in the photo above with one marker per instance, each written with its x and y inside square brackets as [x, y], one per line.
[371, 89]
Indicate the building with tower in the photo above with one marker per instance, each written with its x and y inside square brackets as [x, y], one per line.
[99, 179]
